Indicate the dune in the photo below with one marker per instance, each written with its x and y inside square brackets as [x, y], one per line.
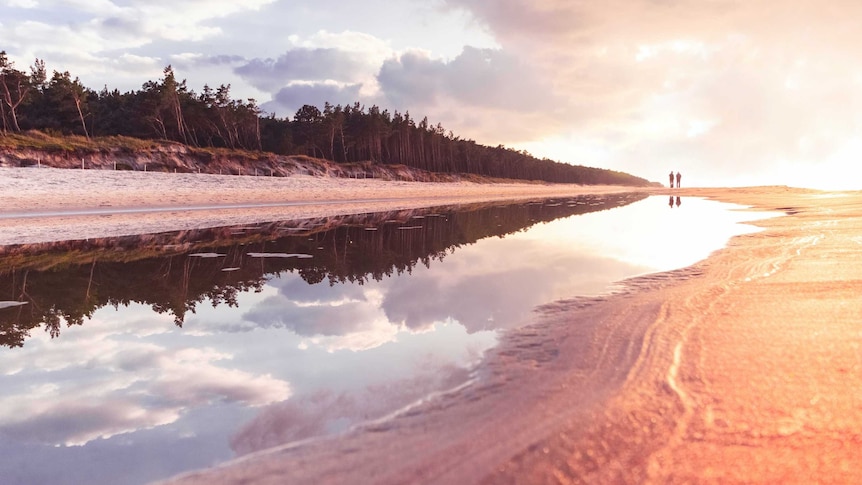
[742, 368]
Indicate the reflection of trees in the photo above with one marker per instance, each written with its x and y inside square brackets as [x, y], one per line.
[68, 281]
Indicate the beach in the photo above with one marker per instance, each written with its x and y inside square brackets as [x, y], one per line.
[47, 204]
[742, 368]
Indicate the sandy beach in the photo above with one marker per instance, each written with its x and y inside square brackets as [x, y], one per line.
[743, 368]
[41, 205]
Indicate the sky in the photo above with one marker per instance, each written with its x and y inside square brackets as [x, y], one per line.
[726, 92]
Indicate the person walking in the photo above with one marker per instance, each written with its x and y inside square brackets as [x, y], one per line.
[678, 178]
[671, 179]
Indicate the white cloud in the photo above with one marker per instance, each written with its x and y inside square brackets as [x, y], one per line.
[718, 89]
[96, 40]
[21, 3]
[714, 88]
[352, 320]
[108, 381]
[320, 413]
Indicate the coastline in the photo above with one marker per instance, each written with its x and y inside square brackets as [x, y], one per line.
[43, 205]
[741, 368]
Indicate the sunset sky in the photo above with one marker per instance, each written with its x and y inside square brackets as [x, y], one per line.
[727, 92]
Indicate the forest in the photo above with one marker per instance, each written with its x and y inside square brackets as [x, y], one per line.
[167, 109]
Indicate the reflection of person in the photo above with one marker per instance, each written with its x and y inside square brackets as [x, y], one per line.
[678, 178]
[678, 201]
[670, 202]
[671, 179]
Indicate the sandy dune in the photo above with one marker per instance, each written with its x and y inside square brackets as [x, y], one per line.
[743, 368]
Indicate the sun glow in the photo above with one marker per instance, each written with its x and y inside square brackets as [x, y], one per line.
[828, 173]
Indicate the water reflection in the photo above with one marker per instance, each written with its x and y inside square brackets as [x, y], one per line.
[174, 273]
[162, 353]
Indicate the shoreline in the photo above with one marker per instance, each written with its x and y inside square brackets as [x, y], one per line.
[740, 368]
[44, 205]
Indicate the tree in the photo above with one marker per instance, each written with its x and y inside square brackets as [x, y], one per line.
[15, 86]
[162, 106]
[308, 121]
[68, 96]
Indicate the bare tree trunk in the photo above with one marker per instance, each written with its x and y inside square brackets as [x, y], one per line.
[343, 145]
[181, 122]
[3, 117]
[257, 132]
[332, 141]
[81, 116]
[12, 106]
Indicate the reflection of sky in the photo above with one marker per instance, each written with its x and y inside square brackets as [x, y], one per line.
[128, 397]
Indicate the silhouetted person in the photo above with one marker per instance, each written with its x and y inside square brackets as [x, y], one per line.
[670, 202]
[671, 179]
[678, 201]
[678, 178]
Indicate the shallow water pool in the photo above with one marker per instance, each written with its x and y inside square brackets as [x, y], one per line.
[133, 359]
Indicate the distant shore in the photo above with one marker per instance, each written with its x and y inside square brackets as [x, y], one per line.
[41, 205]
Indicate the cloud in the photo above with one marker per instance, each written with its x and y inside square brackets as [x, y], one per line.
[95, 39]
[301, 65]
[343, 320]
[339, 68]
[729, 89]
[75, 423]
[117, 384]
[486, 94]
[484, 297]
[120, 25]
[311, 320]
[477, 78]
[326, 412]
[290, 98]
[331, 317]
[22, 3]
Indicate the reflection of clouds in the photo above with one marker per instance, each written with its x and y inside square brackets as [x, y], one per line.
[480, 295]
[327, 412]
[187, 377]
[111, 384]
[93, 345]
[328, 318]
[346, 324]
[373, 334]
[78, 422]
[481, 287]
[297, 289]
[475, 301]
[339, 317]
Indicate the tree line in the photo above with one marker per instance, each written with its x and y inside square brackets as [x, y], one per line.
[167, 109]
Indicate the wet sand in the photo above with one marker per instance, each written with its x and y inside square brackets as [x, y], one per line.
[744, 368]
